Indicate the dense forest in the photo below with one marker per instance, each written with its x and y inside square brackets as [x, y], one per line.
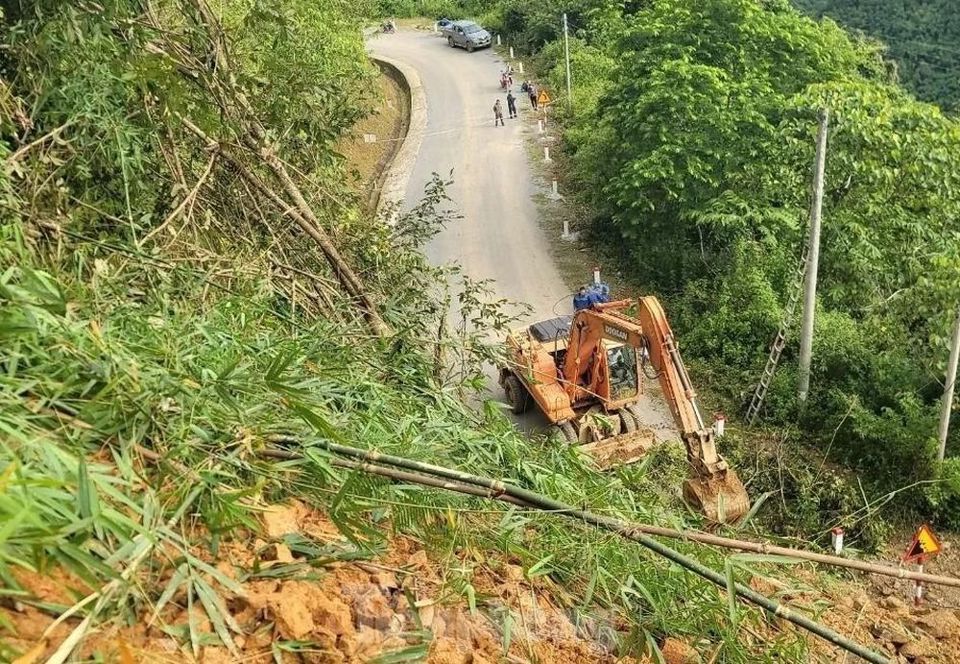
[923, 39]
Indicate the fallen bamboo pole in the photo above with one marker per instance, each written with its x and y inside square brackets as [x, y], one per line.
[499, 491]
[393, 473]
[747, 545]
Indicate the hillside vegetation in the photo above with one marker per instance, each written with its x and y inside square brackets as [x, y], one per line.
[923, 40]
[187, 274]
[692, 139]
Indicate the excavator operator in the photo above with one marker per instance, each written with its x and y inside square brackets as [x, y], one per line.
[623, 372]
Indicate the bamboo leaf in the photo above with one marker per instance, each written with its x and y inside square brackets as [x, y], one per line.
[507, 629]
[415, 653]
[757, 504]
[176, 581]
[221, 619]
[540, 568]
[731, 593]
[88, 504]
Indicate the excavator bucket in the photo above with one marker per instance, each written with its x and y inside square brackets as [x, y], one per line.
[722, 498]
[620, 450]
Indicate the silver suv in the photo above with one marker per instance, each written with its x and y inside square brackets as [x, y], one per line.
[466, 34]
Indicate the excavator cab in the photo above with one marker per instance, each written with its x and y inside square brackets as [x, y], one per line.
[624, 373]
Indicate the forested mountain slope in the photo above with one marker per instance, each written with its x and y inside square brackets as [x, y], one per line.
[923, 36]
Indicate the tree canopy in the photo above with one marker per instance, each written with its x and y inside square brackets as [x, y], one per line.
[694, 139]
[923, 37]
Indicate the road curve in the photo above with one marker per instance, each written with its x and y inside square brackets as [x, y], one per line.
[498, 236]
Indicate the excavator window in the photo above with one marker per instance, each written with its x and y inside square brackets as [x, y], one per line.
[622, 361]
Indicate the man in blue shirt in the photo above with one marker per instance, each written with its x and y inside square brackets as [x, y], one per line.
[586, 297]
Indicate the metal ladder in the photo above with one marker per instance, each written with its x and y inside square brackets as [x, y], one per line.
[776, 349]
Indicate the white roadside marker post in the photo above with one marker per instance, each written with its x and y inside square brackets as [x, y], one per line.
[836, 535]
[918, 592]
[546, 154]
[719, 424]
[511, 52]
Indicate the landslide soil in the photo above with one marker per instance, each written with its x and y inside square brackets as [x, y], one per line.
[352, 612]
[341, 613]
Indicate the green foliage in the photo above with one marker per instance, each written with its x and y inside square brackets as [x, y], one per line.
[693, 141]
[922, 40]
[433, 9]
[944, 494]
[163, 321]
[590, 70]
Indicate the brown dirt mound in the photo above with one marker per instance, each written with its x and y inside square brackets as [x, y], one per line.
[343, 613]
[877, 613]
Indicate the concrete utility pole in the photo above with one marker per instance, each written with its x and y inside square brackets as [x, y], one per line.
[948, 388]
[813, 259]
[566, 50]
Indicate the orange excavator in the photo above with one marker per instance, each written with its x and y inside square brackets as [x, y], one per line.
[585, 373]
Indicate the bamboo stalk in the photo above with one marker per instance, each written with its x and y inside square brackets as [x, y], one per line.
[392, 473]
[187, 200]
[689, 535]
[499, 490]
[303, 215]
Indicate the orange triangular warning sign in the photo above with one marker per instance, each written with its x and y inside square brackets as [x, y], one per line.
[925, 543]
[544, 98]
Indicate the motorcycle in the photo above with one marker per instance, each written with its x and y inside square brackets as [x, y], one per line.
[388, 28]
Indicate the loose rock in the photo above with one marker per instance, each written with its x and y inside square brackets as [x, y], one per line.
[280, 520]
[373, 610]
[676, 651]
[940, 624]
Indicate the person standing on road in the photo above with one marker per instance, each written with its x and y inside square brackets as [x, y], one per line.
[532, 91]
[498, 114]
[511, 104]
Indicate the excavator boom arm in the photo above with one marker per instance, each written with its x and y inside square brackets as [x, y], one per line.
[715, 488]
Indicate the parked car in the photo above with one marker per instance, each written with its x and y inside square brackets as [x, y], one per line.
[466, 34]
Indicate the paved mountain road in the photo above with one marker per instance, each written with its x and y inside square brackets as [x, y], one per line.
[498, 236]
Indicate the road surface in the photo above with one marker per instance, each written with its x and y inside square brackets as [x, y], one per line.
[498, 236]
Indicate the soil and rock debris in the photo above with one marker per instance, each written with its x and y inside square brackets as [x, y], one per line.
[400, 605]
[341, 613]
